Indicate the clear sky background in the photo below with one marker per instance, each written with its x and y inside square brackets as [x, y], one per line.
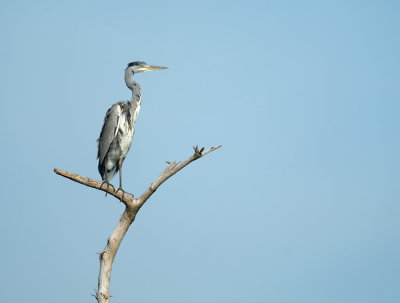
[301, 204]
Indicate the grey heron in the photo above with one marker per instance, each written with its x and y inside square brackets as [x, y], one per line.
[119, 126]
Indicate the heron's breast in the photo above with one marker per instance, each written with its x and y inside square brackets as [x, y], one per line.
[125, 137]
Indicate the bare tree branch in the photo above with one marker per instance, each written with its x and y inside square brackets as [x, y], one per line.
[132, 206]
[110, 189]
[171, 170]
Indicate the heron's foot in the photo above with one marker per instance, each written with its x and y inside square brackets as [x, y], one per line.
[123, 193]
[108, 185]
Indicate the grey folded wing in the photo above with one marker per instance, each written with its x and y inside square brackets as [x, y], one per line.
[109, 130]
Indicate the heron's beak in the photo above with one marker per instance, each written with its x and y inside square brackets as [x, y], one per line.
[155, 68]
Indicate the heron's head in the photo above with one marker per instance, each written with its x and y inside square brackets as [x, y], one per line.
[138, 67]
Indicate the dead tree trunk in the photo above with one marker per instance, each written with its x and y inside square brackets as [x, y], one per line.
[132, 206]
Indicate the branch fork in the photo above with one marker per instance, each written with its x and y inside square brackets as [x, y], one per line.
[132, 206]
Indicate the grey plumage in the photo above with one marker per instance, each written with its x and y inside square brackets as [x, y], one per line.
[119, 126]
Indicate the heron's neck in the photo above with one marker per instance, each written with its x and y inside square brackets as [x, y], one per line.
[133, 85]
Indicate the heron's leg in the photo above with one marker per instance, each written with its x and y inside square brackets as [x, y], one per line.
[120, 177]
[120, 172]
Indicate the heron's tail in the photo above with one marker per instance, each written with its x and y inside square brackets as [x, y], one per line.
[105, 174]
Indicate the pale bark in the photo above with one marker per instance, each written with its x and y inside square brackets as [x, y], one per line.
[132, 206]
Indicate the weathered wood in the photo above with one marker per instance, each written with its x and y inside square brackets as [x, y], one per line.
[110, 189]
[132, 206]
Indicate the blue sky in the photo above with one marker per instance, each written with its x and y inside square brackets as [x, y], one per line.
[301, 204]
